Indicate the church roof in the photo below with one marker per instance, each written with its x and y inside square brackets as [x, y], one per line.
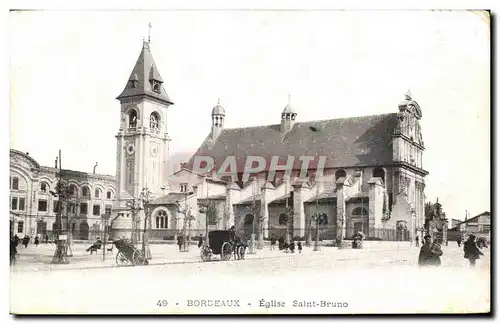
[345, 142]
[144, 71]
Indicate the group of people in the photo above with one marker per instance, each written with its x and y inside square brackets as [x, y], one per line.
[431, 252]
[14, 243]
[285, 246]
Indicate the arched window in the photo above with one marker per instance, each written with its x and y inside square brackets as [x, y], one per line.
[108, 195]
[359, 211]
[154, 121]
[132, 118]
[340, 174]
[248, 219]
[379, 173]
[282, 219]
[161, 219]
[44, 187]
[73, 190]
[97, 193]
[85, 192]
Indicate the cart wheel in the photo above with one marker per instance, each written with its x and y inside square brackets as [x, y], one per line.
[206, 254]
[138, 258]
[121, 259]
[242, 252]
[226, 251]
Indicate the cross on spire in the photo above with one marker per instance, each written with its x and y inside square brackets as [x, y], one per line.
[218, 101]
[289, 97]
[149, 32]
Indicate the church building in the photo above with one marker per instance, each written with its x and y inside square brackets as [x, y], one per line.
[373, 179]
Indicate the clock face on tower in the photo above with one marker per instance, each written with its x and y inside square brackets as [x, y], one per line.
[154, 150]
[130, 149]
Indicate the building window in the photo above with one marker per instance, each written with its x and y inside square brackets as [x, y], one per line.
[21, 203]
[108, 195]
[359, 211]
[248, 219]
[73, 190]
[55, 208]
[13, 205]
[156, 86]
[15, 183]
[184, 187]
[212, 216]
[85, 192]
[20, 227]
[153, 121]
[132, 119]
[107, 209]
[282, 219]
[162, 219]
[83, 208]
[340, 174]
[42, 205]
[43, 187]
[379, 173]
[97, 210]
[97, 193]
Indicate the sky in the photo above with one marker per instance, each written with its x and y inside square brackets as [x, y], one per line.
[67, 68]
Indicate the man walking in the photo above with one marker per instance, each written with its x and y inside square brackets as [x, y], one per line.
[417, 241]
[430, 253]
[471, 252]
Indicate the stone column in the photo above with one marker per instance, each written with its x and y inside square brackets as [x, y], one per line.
[375, 205]
[299, 217]
[266, 197]
[231, 190]
[341, 212]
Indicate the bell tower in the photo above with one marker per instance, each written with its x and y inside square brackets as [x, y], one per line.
[142, 139]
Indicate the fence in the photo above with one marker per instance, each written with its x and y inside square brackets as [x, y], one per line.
[325, 233]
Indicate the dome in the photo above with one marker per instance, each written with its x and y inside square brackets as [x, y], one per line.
[218, 110]
[288, 110]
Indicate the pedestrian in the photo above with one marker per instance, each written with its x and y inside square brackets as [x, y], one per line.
[273, 243]
[179, 242]
[26, 241]
[37, 241]
[430, 253]
[292, 247]
[200, 241]
[417, 241]
[471, 252]
[299, 247]
[459, 241]
[16, 241]
[13, 251]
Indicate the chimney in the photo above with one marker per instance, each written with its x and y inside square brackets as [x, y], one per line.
[55, 164]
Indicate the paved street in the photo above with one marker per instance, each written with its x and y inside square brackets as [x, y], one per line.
[380, 278]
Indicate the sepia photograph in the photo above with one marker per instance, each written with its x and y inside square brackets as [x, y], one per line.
[249, 162]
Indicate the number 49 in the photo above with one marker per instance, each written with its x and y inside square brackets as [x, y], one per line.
[162, 303]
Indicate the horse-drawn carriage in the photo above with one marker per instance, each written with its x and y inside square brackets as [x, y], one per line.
[224, 243]
[128, 254]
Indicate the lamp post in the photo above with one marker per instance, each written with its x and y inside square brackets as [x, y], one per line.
[145, 196]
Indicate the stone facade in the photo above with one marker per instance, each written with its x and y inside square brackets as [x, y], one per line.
[33, 208]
